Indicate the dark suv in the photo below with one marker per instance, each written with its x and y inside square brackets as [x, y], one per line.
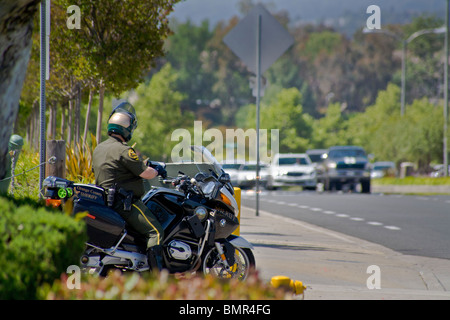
[345, 166]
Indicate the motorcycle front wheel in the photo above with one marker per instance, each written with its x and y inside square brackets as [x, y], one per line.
[244, 263]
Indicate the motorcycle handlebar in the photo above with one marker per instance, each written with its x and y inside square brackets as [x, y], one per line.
[178, 180]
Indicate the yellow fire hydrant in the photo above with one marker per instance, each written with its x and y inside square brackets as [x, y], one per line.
[282, 281]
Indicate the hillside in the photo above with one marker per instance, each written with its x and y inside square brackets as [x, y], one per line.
[345, 15]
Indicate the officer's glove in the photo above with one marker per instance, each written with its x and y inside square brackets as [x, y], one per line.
[161, 171]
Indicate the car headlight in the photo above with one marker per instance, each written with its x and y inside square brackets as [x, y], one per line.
[332, 165]
[201, 212]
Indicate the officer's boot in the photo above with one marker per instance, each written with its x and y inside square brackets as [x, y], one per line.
[154, 258]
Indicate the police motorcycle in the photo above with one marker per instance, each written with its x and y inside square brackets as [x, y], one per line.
[198, 213]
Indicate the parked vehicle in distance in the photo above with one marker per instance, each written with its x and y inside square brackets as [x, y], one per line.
[316, 155]
[232, 168]
[382, 169]
[345, 167]
[438, 171]
[291, 169]
[246, 176]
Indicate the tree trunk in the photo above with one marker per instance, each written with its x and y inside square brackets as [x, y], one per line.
[16, 26]
[76, 138]
[51, 125]
[100, 112]
[88, 112]
[70, 123]
[34, 137]
[63, 119]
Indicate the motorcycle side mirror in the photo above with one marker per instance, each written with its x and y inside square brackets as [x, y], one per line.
[225, 178]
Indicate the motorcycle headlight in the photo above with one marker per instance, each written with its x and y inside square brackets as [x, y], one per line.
[208, 188]
[201, 212]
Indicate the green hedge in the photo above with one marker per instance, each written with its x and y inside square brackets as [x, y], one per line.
[37, 244]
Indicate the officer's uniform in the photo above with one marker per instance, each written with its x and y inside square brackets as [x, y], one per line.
[115, 163]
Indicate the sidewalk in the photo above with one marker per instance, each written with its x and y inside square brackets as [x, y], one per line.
[411, 189]
[334, 266]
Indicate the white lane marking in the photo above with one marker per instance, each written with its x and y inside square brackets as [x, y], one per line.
[392, 227]
[308, 226]
[339, 215]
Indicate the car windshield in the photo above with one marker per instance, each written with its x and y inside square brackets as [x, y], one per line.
[340, 153]
[292, 161]
[382, 167]
[252, 167]
[231, 166]
[315, 157]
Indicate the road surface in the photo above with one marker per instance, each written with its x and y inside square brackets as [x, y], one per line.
[413, 225]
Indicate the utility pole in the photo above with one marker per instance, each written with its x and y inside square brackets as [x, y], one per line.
[43, 75]
[445, 151]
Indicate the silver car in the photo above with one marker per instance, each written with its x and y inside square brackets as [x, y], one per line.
[232, 167]
[291, 169]
[246, 177]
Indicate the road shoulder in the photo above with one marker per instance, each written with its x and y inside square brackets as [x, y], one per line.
[335, 266]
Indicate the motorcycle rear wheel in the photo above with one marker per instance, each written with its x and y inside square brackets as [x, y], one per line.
[244, 263]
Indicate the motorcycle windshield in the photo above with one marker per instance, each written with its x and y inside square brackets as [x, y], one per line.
[201, 155]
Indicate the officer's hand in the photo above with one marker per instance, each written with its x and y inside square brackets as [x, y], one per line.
[161, 171]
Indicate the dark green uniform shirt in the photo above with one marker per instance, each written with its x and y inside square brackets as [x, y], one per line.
[114, 162]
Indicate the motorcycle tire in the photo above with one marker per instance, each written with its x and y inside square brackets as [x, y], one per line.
[244, 264]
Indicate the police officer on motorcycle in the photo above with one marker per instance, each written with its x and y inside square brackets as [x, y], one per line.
[120, 172]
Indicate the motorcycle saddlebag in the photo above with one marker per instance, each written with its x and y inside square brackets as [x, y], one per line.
[104, 226]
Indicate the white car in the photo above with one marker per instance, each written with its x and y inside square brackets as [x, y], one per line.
[232, 167]
[291, 169]
[381, 169]
[246, 177]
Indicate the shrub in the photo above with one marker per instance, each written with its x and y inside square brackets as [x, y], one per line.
[162, 286]
[79, 161]
[37, 244]
[27, 175]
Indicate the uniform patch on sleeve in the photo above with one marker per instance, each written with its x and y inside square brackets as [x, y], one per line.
[132, 154]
